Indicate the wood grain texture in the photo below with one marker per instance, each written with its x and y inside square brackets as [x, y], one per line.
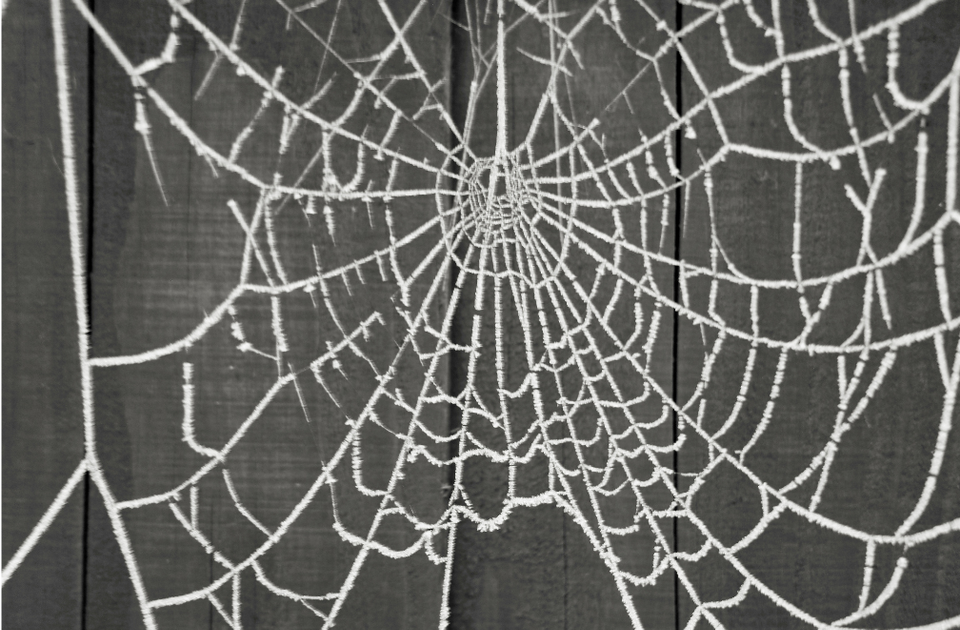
[172, 253]
[540, 570]
[880, 464]
[113, 156]
[42, 419]
[167, 249]
[513, 577]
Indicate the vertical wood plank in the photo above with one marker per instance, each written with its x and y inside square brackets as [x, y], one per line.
[172, 253]
[513, 576]
[111, 599]
[539, 568]
[42, 419]
[625, 71]
[775, 412]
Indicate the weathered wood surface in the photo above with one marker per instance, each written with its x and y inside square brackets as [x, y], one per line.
[540, 570]
[882, 462]
[166, 250]
[175, 256]
[42, 420]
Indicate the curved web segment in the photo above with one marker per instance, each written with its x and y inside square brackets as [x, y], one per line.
[542, 259]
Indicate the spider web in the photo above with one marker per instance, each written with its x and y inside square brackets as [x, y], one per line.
[541, 259]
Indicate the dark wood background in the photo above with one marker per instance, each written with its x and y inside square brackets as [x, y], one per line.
[153, 268]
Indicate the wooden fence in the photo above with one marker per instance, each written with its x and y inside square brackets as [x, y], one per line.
[804, 168]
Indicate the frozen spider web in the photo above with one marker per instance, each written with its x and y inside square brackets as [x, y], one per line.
[513, 264]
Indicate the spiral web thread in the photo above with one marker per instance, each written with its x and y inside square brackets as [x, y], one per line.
[569, 245]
